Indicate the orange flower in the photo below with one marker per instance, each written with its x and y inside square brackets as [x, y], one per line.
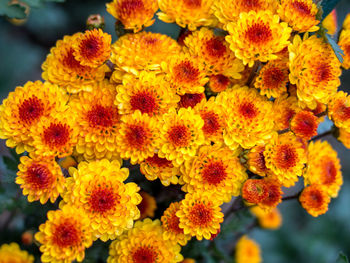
[191, 100]
[254, 190]
[315, 200]
[339, 110]
[256, 160]
[147, 206]
[218, 83]
[274, 196]
[285, 108]
[304, 125]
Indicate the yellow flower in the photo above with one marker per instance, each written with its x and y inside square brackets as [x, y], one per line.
[185, 73]
[228, 11]
[97, 120]
[142, 51]
[62, 68]
[24, 108]
[148, 93]
[55, 135]
[256, 160]
[330, 22]
[314, 68]
[314, 199]
[257, 36]
[156, 167]
[12, 253]
[170, 224]
[214, 53]
[138, 137]
[267, 219]
[181, 135]
[200, 215]
[144, 243]
[285, 157]
[147, 206]
[247, 250]
[344, 43]
[92, 48]
[249, 117]
[215, 170]
[273, 78]
[339, 110]
[190, 13]
[97, 187]
[40, 178]
[344, 137]
[284, 109]
[299, 14]
[134, 14]
[323, 167]
[64, 236]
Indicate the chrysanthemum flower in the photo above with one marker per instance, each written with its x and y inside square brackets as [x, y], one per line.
[148, 93]
[314, 68]
[249, 117]
[247, 250]
[218, 83]
[62, 68]
[267, 219]
[191, 100]
[314, 199]
[216, 170]
[344, 43]
[24, 108]
[274, 190]
[284, 109]
[64, 236]
[285, 157]
[339, 110]
[97, 187]
[257, 36]
[40, 178]
[142, 51]
[299, 14]
[185, 74]
[147, 206]
[323, 167]
[190, 13]
[256, 160]
[254, 191]
[214, 53]
[144, 243]
[272, 79]
[155, 167]
[229, 11]
[97, 120]
[134, 14]
[181, 135]
[13, 253]
[92, 48]
[170, 224]
[213, 116]
[330, 22]
[304, 124]
[344, 137]
[200, 215]
[138, 137]
[55, 135]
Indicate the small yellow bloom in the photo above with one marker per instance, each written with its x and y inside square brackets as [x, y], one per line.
[315, 199]
[268, 219]
[13, 253]
[247, 250]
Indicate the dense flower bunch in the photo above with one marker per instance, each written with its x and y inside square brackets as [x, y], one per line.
[221, 113]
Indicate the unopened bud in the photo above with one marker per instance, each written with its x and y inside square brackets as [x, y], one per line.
[27, 238]
[95, 21]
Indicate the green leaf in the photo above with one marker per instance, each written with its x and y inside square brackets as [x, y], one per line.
[10, 163]
[337, 50]
[342, 258]
[12, 11]
[328, 6]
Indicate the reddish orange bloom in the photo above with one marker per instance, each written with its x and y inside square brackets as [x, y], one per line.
[304, 124]
[256, 160]
[274, 196]
[190, 100]
[255, 190]
[315, 200]
[218, 83]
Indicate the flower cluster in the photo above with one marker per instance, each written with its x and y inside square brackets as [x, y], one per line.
[222, 114]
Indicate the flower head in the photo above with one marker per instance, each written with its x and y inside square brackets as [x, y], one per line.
[315, 199]
[304, 124]
[330, 22]
[267, 219]
[256, 160]
[285, 108]
[147, 206]
[254, 191]
[13, 253]
[191, 100]
[339, 110]
[247, 250]
[218, 83]
[344, 137]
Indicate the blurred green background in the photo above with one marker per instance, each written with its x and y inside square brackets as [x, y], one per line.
[302, 238]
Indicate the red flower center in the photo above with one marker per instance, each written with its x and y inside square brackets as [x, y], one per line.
[260, 161]
[90, 47]
[179, 135]
[39, 177]
[305, 124]
[323, 73]
[30, 110]
[329, 173]
[215, 47]
[301, 8]
[248, 110]
[273, 77]
[145, 255]
[214, 172]
[128, 8]
[193, 3]
[144, 101]
[103, 199]
[342, 111]
[190, 100]
[173, 223]
[100, 116]
[57, 134]
[148, 40]
[316, 198]
[137, 136]
[186, 72]
[211, 122]
[70, 62]
[66, 234]
[254, 190]
[286, 157]
[259, 33]
[160, 162]
[250, 4]
[201, 215]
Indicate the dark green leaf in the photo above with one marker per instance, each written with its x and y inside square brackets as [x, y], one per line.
[12, 11]
[337, 50]
[342, 258]
[10, 163]
[328, 6]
